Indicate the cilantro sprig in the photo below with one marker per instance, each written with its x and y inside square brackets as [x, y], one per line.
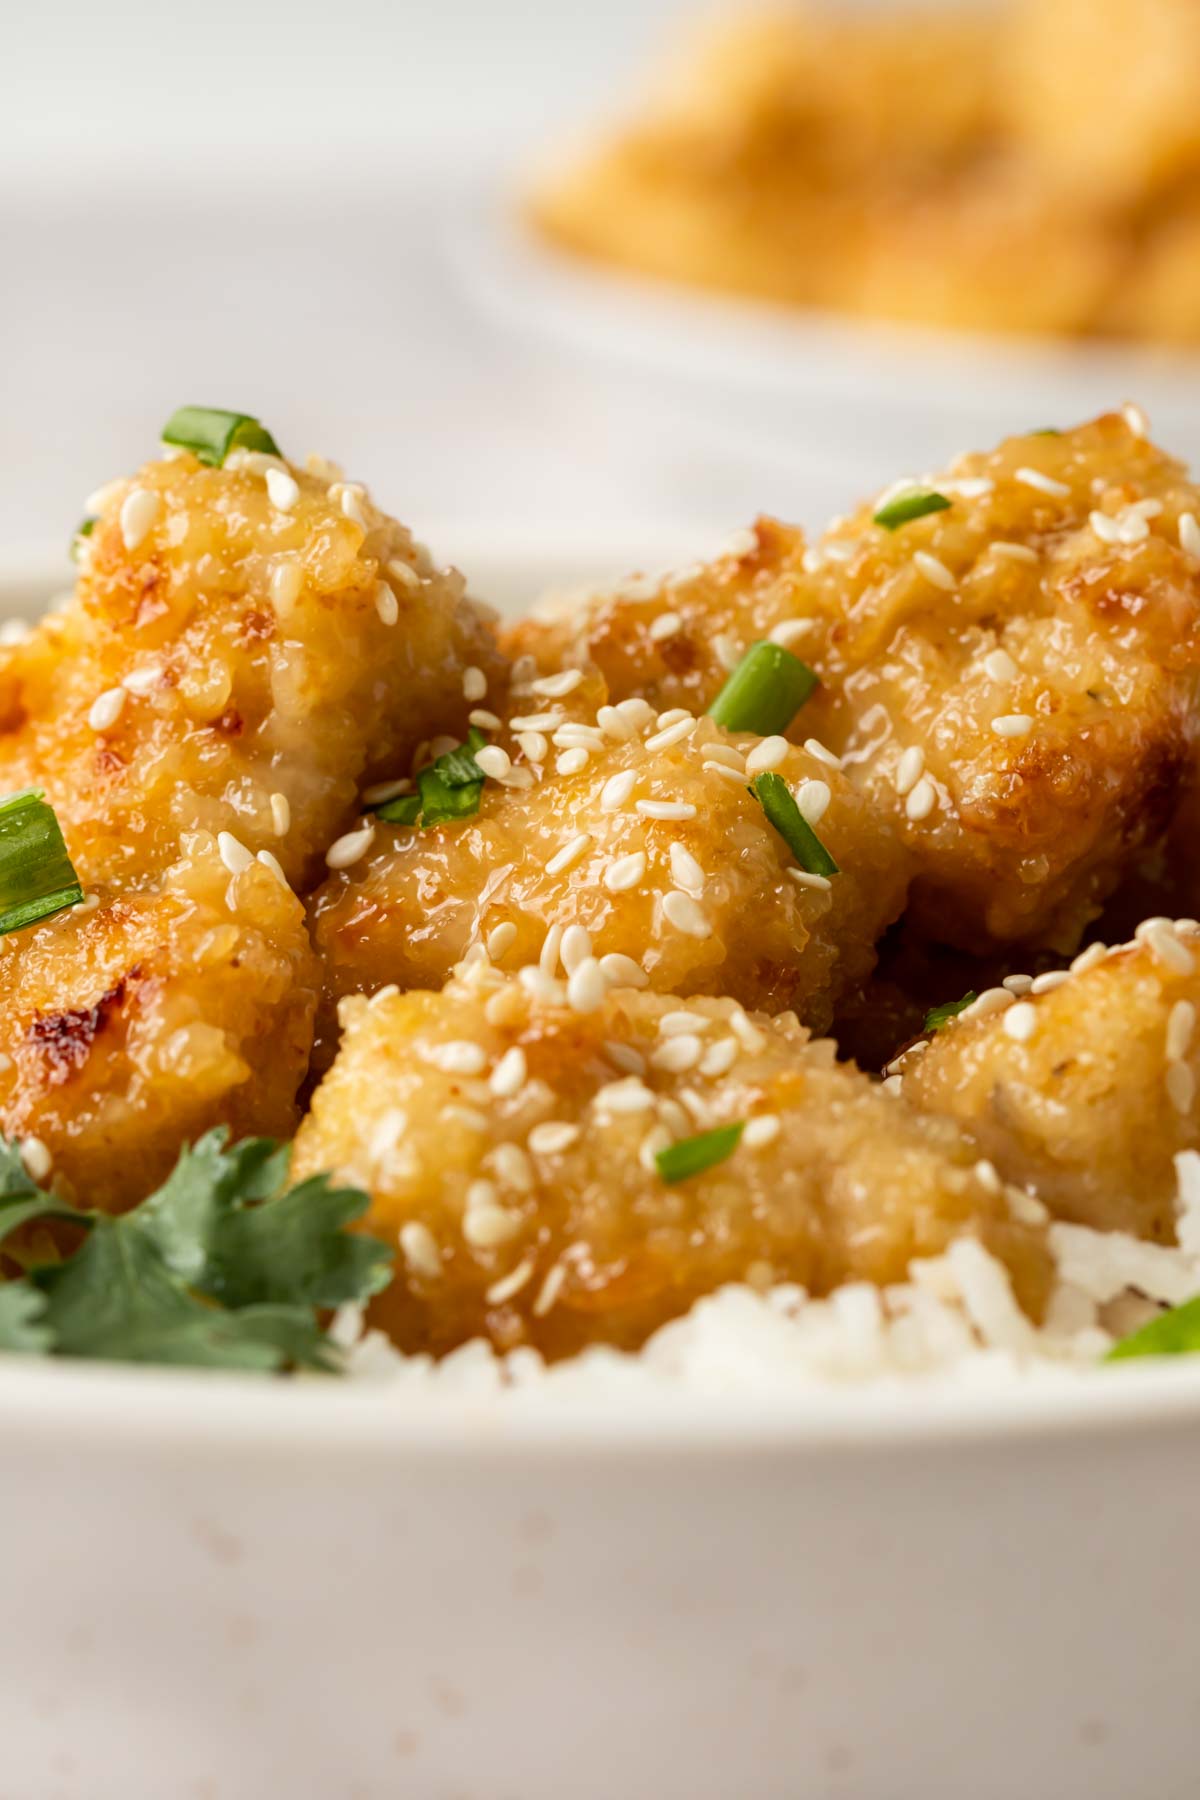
[224, 1266]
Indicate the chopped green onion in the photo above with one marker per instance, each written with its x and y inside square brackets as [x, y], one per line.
[765, 691]
[458, 767]
[84, 529]
[211, 434]
[1174, 1333]
[404, 810]
[937, 1016]
[1045, 431]
[691, 1156]
[441, 803]
[778, 802]
[36, 876]
[914, 504]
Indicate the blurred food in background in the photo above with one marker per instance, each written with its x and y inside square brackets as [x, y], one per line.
[1032, 166]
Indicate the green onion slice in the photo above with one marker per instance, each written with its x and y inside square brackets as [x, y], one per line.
[691, 1156]
[36, 876]
[84, 529]
[458, 767]
[1175, 1333]
[915, 503]
[405, 809]
[778, 802]
[211, 434]
[765, 691]
[937, 1016]
[442, 804]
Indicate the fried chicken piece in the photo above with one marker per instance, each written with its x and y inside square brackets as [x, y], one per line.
[131, 1026]
[1012, 677]
[246, 645]
[508, 1143]
[1083, 1089]
[639, 839]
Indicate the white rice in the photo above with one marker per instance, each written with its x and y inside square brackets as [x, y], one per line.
[954, 1318]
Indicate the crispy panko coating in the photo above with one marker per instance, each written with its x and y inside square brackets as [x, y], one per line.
[637, 836]
[232, 661]
[508, 1143]
[130, 1027]
[1012, 677]
[1084, 1088]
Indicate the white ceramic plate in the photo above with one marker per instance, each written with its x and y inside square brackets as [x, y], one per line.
[226, 1589]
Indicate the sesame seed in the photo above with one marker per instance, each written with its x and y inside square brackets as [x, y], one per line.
[535, 746]
[100, 498]
[934, 570]
[1106, 529]
[674, 734]
[282, 489]
[1163, 944]
[656, 1139]
[728, 754]
[720, 1057]
[720, 768]
[921, 801]
[677, 1054]
[350, 499]
[233, 852]
[1020, 1021]
[1012, 725]
[767, 755]
[556, 687]
[622, 971]
[666, 809]
[386, 604]
[548, 958]
[575, 948]
[513, 1166]
[456, 1056]
[86, 906]
[543, 721]
[486, 721]
[404, 573]
[625, 1056]
[501, 938]
[1181, 1086]
[894, 1084]
[999, 666]
[420, 1249]
[1189, 533]
[576, 736]
[629, 1096]
[637, 711]
[1046, 984]
[493, 760]
[508, 1076]
[685, 870]
[1014, 552]
[740, 543]
[685, 915]
[517, 778]
[816, 748]
[481, 1193]
[383, 791]
[106, 709]
[269, 860]
[763, 1129]
[614, 725]
[748, 1035]
[1181, 1023]
[813, 797]
[511, 1284]
[569, 854]
[665, 626]
[805, 878]
[625, 872]
[139, 509]
[675, 1024]
[726, 649]
[617, 790]
[485, 1227]
[281, 814]
[142, 681]
[993, 999]
[36, 1157]
[909, 769]
[286, 582]
[539, 985]
[1045, 484]
[571, 762]
[1087, 959]
[1136, 419]
[553, 1136]
[349, 847]
[474, 683]
[789, 630]
[1017, 984]
[442, 745]
[986, 1174]
[549, 1291]
[586, 987]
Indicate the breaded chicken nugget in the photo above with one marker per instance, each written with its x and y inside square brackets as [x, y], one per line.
[132, 1024]
[637, 837]
[1008, 664]
[247, 644]
[510, 1145]
[1084, 1087]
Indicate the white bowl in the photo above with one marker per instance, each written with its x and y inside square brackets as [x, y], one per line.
[220, 1588]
